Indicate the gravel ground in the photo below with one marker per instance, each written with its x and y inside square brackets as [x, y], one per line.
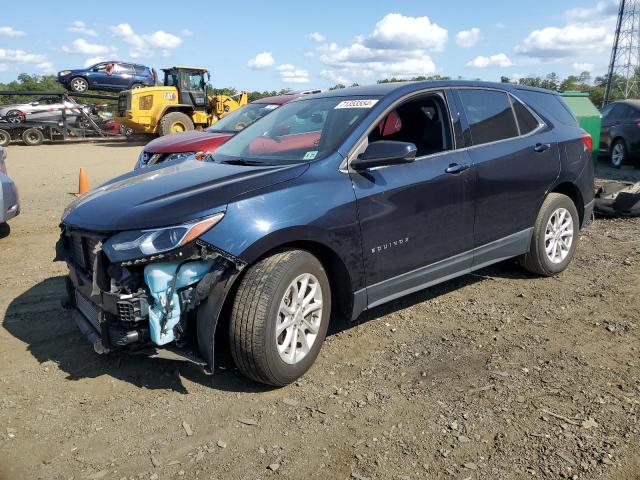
[495, 375]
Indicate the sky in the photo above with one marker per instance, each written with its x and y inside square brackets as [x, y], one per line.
[258, 45]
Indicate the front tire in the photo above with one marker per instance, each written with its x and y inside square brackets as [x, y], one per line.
[78, 85]
[279, 317]
[174, 122]
[32, 137]
[15, 116]
[618, 153]
[555, 236]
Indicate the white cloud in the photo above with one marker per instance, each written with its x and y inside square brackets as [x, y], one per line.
[395, 31]
[146, 45]
[10, 32]
[468, 38]
[291, 74]
[186, 32]
[563, 42]
[309, 54]
[20, 56]
[500, 25]
[601, 9]
[316, 37]
[261, 61]
[80, 27]
[397, 47]
[497, 60]
[583, 67]
[81, 47]
[93, 60]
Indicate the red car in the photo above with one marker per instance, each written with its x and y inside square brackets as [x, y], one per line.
[182, 145]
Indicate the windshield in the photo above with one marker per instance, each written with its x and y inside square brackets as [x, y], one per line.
[243, 117]
[299, 131]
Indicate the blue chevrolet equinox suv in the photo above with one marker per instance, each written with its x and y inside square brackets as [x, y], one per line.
[333, 204]
[110, 76]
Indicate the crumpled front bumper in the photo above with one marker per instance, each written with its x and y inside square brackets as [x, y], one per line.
[98, 313]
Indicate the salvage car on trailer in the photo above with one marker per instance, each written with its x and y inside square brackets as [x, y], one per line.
[333, 204]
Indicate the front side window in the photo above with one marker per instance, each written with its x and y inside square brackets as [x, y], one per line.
[489, 115]
[242, 118]
[423, 122]
[299, 131]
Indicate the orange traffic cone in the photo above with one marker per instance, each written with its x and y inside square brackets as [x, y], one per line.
[83, 183]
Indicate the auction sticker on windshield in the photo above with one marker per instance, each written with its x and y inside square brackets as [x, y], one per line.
[310, 155]
[356, 104]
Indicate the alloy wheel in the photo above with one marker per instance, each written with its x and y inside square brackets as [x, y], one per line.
[79, 85]
[558, 235]
[299, 318]
[617, 154]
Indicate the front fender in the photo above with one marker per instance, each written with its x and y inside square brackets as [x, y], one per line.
[319, 207]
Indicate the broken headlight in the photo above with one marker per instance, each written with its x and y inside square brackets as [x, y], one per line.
[141, 243]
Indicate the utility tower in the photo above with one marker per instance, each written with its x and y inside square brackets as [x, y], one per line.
[625, 54]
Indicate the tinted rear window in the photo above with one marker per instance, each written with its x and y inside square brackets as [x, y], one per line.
[489, 114]
[526, 121]
[549, 105]
[139, 69]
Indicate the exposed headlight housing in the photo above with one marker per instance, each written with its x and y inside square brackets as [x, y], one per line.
[146, 102]
[136, 244]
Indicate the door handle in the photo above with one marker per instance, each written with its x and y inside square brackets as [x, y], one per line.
[541, 147]
[457, 167]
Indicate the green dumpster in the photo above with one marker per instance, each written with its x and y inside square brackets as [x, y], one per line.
[588, 116]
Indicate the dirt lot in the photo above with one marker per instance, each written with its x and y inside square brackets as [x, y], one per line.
[496, 375]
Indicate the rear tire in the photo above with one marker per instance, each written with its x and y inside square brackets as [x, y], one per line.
[618, 153]
[272, 340]
[78, 85]
[174, 122]
[5, 138]
[555, 236]
[136, 85]
[32, 137]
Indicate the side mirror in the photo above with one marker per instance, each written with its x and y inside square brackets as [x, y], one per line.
[383, 153]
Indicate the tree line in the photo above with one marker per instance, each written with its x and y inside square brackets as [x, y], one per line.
[583, 83]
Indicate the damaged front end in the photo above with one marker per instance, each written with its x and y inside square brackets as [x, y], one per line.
[143, 293]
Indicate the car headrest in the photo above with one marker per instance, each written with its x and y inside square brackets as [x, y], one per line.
[390, 125]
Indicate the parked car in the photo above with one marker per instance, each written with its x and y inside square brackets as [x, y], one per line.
[333, 204]
[184, 145]
[9, 200]
[42, 109]
[620, 134]
[112, 76]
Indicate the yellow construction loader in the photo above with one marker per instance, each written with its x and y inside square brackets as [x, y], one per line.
[181, 104]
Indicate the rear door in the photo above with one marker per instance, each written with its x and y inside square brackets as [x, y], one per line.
[416, 219]
[515, 160]
[122, 75]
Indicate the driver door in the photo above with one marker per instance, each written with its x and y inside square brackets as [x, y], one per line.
[416, 219]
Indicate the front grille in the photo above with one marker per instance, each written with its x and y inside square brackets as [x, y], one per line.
[89, 309]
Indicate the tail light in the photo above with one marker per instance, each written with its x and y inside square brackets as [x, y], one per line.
[588, 141]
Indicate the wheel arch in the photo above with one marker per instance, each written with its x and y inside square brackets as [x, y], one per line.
[573, 192]
[614, 139]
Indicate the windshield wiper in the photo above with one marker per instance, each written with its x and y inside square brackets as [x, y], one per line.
[241, 161]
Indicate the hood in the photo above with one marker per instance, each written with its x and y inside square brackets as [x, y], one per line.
[161, 196]
[187, 142]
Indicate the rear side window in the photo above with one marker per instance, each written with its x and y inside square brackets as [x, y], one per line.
[550, 105]
[527, 122]
[139, 69]
[489, 114]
